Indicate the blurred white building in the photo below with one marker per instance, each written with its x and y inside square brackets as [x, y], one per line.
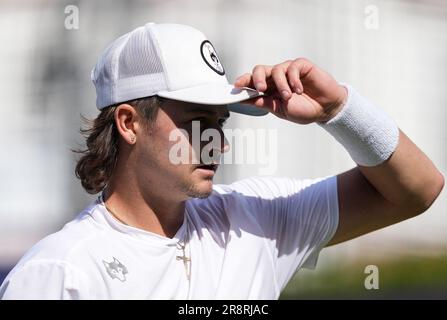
[394, 52]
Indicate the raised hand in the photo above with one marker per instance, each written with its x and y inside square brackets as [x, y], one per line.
[295, 90]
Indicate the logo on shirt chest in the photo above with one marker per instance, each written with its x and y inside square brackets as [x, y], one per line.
[116, 270]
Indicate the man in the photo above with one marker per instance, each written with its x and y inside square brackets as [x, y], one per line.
[161, 230]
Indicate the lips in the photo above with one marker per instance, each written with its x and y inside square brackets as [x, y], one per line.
[212, 167]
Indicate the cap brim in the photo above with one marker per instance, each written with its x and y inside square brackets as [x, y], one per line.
[218, 94]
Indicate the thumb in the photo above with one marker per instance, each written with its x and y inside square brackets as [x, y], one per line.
[268, 103]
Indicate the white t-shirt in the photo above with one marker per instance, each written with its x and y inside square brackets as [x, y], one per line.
[246, 241]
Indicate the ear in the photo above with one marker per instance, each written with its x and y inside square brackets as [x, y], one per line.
[126, 120]
[107, 265]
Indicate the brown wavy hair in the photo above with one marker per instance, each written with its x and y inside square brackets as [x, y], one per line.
[98, 160]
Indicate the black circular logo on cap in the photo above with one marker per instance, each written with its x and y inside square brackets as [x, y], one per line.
[209, 55]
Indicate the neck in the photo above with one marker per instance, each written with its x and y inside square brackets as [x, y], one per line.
[144, 210]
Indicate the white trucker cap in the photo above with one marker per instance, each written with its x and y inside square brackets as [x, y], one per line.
[168, 60]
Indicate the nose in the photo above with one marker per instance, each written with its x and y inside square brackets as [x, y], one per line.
[216, 148]
[225, 146]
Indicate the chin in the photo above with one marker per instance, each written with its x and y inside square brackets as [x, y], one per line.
[202, 189]
[205, 188]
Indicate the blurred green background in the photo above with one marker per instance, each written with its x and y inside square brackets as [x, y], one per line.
[409, 277]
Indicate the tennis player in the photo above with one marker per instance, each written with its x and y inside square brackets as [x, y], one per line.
[163, 230]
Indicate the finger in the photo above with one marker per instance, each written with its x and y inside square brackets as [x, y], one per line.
[260, 73]
[244, 80]
[293, 75]
[281, 83]
[296, 71]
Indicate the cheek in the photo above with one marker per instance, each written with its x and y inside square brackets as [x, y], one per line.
[162, 157]
[179, 149]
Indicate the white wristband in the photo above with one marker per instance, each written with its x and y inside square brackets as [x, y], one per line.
[368, 134]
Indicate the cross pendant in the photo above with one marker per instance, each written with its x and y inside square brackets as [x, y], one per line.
[185, 262]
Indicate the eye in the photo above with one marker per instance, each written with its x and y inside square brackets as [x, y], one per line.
[113, 271]
[222, 122]
[119, 269]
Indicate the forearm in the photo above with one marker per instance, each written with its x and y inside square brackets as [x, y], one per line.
[371, 198]
[393, 181]
[408, 178]
[387, 158]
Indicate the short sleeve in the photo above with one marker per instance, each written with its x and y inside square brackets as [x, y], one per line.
[43, 280]
[298, 218]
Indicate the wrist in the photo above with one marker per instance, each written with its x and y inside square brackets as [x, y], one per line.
[334, 108]
[367, 132]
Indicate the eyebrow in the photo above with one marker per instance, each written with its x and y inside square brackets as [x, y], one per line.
[207, 111]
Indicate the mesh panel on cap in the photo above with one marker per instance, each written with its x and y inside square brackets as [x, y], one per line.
[139, 56]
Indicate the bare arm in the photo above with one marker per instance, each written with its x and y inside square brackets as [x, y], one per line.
[370, 198]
